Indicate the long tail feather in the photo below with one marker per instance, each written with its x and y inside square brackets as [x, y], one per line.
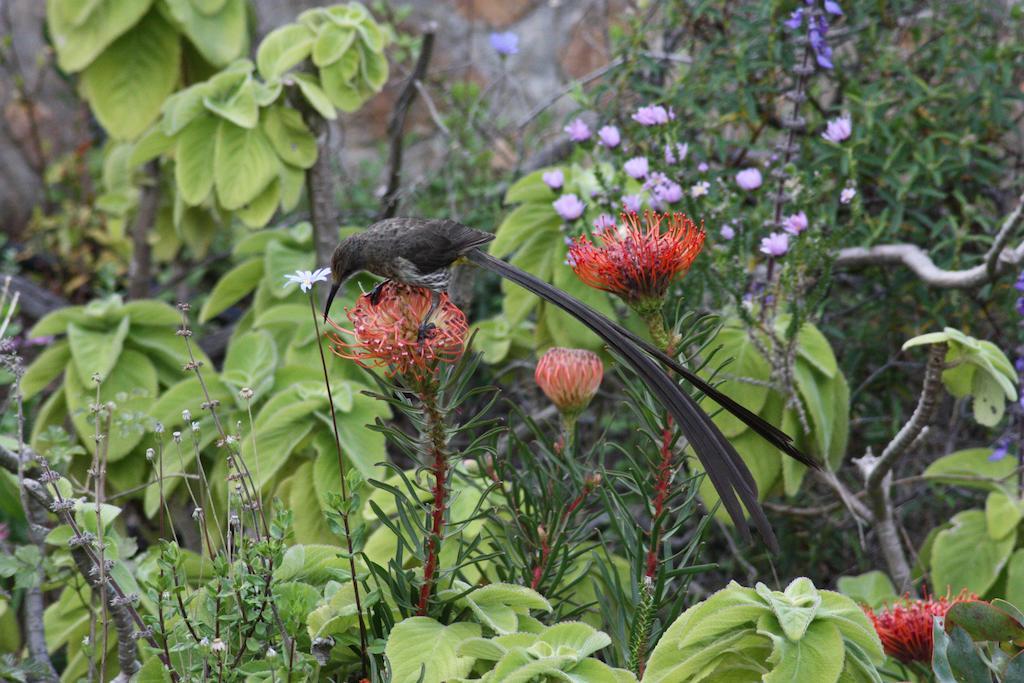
[723, 465]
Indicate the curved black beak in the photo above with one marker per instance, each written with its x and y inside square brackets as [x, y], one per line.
[330, 298]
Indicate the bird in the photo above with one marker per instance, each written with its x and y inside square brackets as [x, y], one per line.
[421, 252]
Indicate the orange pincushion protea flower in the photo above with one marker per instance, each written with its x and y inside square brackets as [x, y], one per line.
[905, 627]
[638, 262]
[569, 377]
[386, 334]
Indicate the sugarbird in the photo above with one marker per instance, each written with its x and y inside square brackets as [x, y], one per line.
[420, 252]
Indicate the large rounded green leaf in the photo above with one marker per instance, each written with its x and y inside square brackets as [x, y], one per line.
[315, 95]
[331, 43]
[421, 644]
[282, 49]
[971, 468]
[237, 103]
[45, 368]
[747, 363]
[220, 36]
[336, 82]
[230, 289]
[244, 164]
[131, 385]
[96, 352]
[82, 30]
[289, 135]
[965, 556]
[126, 86]
[260, 210]
[277, 438]
[194, 159]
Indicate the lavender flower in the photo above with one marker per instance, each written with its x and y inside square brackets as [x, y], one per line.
[795, 224]
[652, 115]
[847, 195]
[727, 232]
[832, 7]
[505, 43]
[702, 167]
[749, 179]
[636, 167]
[603, 222]
[568, 206]
[700, 189]
[631, 202]
[816, 33]
[609, 136]
[1020, 306]
[1019, 285]
[668, 192]
[553, 179]
[838, 129]
[775, 244]
[796, 19]
[577, 130]
[670, 155]
[1001, 450]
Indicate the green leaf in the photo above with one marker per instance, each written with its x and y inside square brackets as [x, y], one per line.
[1002, 514]
[280, 261]
[250, 361]
[151, 145]
[315, 95]
[795, 608]
[292, 182]
[583, 639]
[983, 621]
[531, 188]
[236, 104]
[81, 31]
[857, 630]
[151, 313]
[923, 339]
[244, 164]
[194, 159]
[363, 447]
[498, 606]
[374, 68]
[954, 657]
[965, 556]
[1015, 579]
[420, 644]
[840, 421]
[126, 85]
[259, 211]
[310, 563]
[289, 136]
[871, 588]
[989, 401]
[818, 656]
[747, 364]
[236, 284]
[220, 36]
[277, 438]
[812, 345]
[971, 468]
[282, 49]
[57, 321]
[308, 520]
[46, 367]
[522, 223]
[181, 108]
[331, 43]
[817, 398]
[153, 671]
[96, 352]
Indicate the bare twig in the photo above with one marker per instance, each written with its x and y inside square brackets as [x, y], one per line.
[998, 258]
[396, 126]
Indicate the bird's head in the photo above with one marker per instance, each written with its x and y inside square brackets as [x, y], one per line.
[344, 264]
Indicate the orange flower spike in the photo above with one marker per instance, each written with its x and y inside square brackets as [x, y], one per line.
[385, 334]
[637, 260]
[905, 627]
[569, 377]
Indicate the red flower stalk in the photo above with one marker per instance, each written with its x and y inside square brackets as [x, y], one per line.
[386, 334]
[905, 627]
[569, 377]
[638, 262]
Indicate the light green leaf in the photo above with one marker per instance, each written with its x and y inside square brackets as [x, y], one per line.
[292, 181]
[236, 104]
[259, 211]
[989, 402]
[46, 367]
[311, 563]
[315, 95]
[746, 363]
[81, 31]
[818, 656]
[181, 108]
[220, 36]
[331, 43]
[289, 135]
[923, 339]
[965, 556]
[277, 438]
[194, 159]
[817, 399]
[871, 588]
[531, 188]
[57, 321]
[96, 352]
[854, 625]
[971, 468]
[236, 284]
[282, 49]
[812, 345]
[421, 644]
[127, 84]
[374, 68]
[153, 671]
[1002, 514]
[794, 609]
[281, 260]
[152, 313]
[308, 520]
[1015, 579]
[244, 164]
[250, 360]
[150, 146]
[522, 223]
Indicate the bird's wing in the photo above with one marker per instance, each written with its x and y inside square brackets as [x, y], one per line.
[726, 470]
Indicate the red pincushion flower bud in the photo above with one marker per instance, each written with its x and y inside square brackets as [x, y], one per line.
[638, 262]
[569, 377]
[386, 333]
[905, 627]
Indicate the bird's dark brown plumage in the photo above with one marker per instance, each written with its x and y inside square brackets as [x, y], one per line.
[420, 252]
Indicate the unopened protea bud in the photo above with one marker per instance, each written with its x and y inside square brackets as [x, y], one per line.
[569, 377]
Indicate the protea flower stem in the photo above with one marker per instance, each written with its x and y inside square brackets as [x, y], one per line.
[437, 450]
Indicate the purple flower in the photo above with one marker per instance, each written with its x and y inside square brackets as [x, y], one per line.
[749, 179]
[702, 167]
[838, 129]
[1020, 306]
[1019, 365]
[577, 130]
[505, 43]
[652, 115]
[636, 167]
[668, 192]
[795, 19]
[795, 224]
[832, 7]
[568, 206]
[847, 195]
[1019, 284]
[682, 149]
[631, 202]
[603, 222]
[727, 232]
[816, 33]
[670, 156]
[1001, 450]
[609, 136]
[553, 179]
[775, 244]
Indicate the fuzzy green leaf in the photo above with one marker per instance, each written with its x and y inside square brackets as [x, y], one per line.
[244, 164]
[282, 49]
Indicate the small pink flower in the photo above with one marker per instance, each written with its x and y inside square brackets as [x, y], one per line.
[847, 195]
[569, 207]
[636, 167]
[795, 224]
[553, 179]
[569, 377]
[749, 179]
[775, 244]
[577, 130]
[609, 136]
[838, 129]
[652, 115]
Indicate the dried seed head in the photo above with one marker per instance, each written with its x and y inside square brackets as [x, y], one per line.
[246, 393]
